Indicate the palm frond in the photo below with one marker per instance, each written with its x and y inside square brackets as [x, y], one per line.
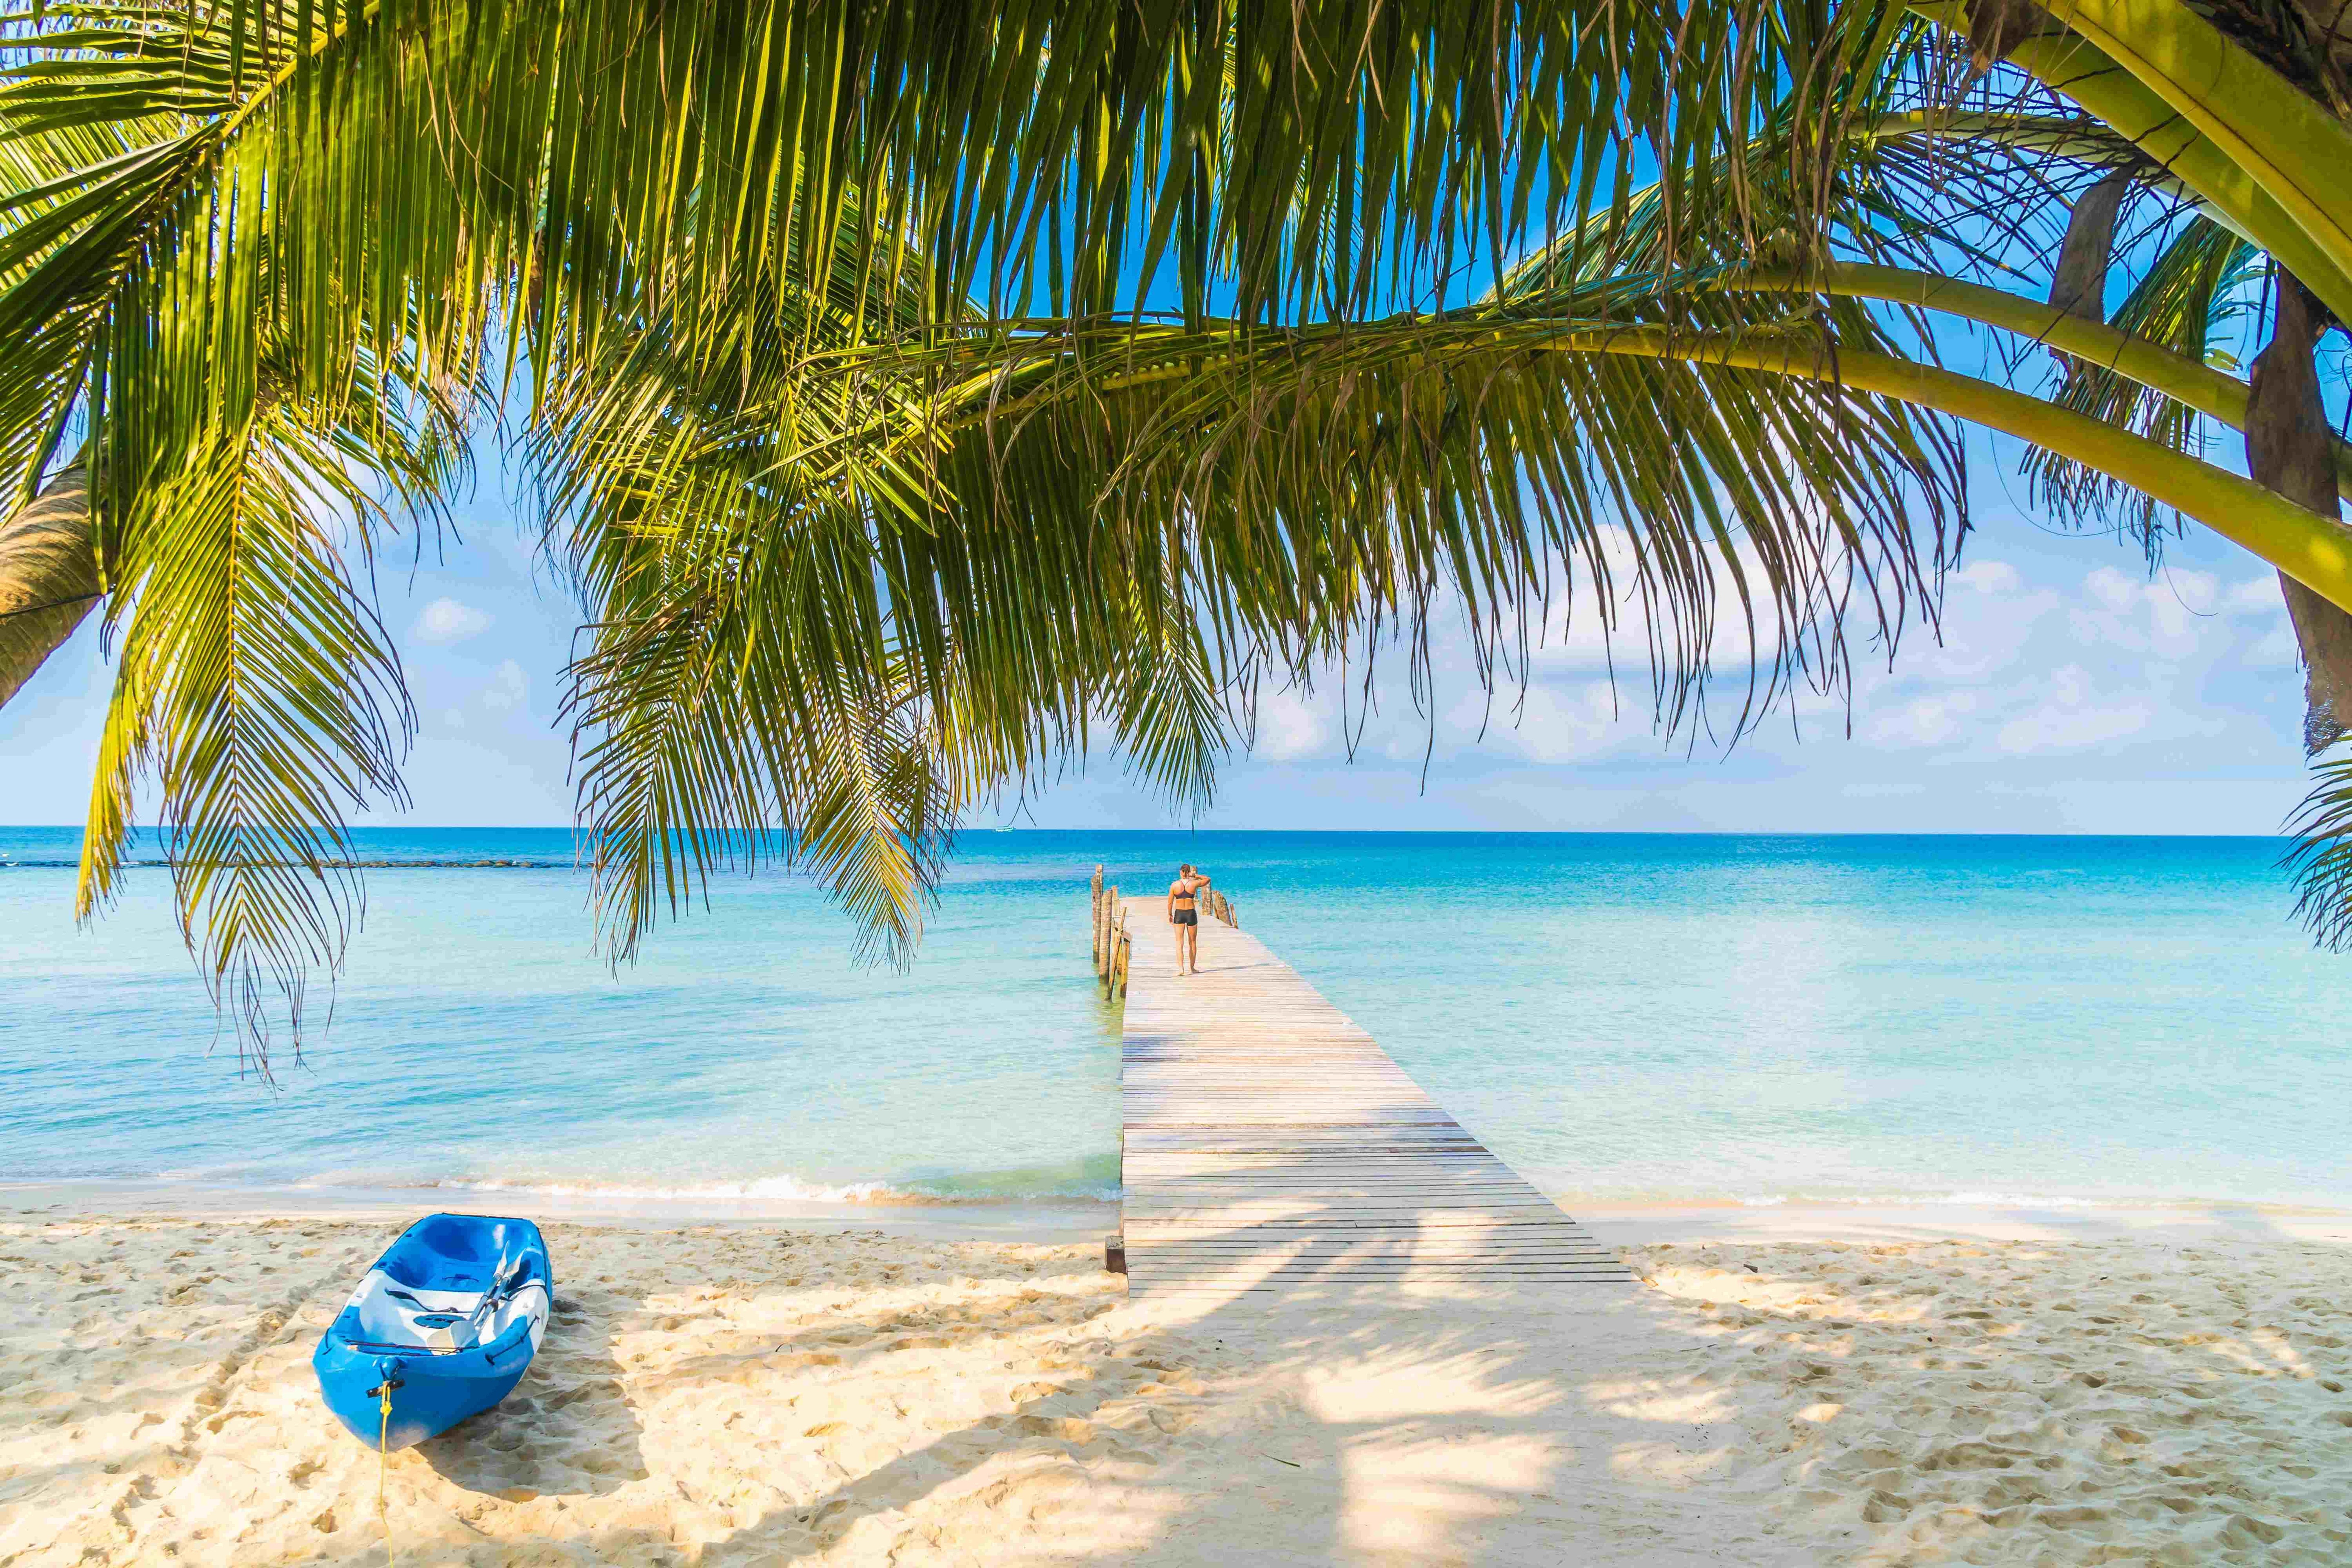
[1319, 490]
[261, 692]
[1169, 708]
[2321, 859]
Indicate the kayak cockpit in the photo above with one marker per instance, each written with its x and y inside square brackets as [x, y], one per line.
[452, 1282]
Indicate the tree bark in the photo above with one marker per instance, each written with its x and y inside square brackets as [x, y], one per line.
[2291, 449]
[49, 577]
[1997, 27]
[2079, 287]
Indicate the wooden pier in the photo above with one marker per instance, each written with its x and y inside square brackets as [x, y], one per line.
[1271, 1145]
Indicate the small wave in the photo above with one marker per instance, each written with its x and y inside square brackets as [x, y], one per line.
[763, 1189]
[2042, 1201]
[1971, 1199]
[1574, 1198]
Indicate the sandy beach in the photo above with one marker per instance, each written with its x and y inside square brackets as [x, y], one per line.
[1789, 1388]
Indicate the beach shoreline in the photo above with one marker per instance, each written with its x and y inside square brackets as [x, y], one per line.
[1065, 1220]
[1037, 1223]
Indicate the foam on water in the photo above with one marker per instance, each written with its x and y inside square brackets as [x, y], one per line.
[2046, 1022]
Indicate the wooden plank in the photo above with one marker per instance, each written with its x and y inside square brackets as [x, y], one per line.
[1270, 1144]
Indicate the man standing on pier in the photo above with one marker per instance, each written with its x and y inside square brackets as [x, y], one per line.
[1184, 914]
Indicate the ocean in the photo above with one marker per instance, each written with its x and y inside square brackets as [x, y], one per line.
[1627, 1018]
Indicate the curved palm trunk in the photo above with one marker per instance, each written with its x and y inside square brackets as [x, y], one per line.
[2211, 392]
[2312, 546]
[2291, 449]
[2291, 146]
[49, 577]
[2071, 63]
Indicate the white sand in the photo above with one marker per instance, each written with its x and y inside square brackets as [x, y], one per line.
[756, 1394]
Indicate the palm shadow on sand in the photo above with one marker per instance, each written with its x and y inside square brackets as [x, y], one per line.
[567, 1430]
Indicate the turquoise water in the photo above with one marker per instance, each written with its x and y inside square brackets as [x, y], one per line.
[1624, 1018]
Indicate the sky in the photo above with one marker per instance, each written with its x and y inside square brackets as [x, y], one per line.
[2069, 693]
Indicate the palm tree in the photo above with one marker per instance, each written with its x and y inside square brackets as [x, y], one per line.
[924, 393]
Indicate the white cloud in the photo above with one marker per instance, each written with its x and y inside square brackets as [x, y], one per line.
[447, 621]
[2277, 648]
[1288, 728]
[1922, 721]
[1558, 726]
[2112, 588]
[1983, 633]
[2255, 596]
[2070, 717]
[506, 688]
[1989, 577]
[2057, 728]
[2172, 618]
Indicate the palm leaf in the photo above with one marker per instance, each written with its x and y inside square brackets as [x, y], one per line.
[2321, 859]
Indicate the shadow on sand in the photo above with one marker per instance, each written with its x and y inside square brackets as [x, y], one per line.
[567, 1429]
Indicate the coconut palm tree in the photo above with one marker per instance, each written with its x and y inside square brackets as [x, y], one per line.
[923, 394]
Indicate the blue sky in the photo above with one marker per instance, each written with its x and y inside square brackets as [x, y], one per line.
[2070, 693]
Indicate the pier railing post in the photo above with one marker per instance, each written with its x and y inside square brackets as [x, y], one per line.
[1114, 972]
[1114, 947]
[1109, 930]
[1094, 919]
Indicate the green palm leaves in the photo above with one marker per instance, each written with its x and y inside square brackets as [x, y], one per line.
[923, 394]
[255, 685]
[852, 553]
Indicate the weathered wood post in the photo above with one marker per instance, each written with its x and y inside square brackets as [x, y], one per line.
[1094, 919]
[1109, 975]
[1111, 916]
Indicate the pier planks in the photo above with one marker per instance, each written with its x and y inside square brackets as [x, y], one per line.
[1270, 1144]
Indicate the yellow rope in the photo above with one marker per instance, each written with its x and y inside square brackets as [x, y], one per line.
[383, 1458]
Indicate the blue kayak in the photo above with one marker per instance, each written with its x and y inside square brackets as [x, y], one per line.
[445, 1322]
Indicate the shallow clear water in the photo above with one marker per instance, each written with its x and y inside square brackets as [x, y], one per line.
[1624, 1018]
